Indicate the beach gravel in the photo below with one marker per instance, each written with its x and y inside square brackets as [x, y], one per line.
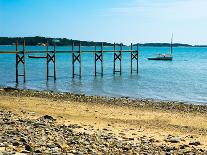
[44, 136]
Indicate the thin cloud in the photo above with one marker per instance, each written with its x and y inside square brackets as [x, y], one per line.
[174, 9]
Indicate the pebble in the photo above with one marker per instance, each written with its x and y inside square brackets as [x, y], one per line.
[173, 139]
[195, 143]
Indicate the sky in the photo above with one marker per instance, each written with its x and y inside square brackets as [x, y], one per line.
[126, 21]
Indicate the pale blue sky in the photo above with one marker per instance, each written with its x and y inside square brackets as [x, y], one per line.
[107, 20]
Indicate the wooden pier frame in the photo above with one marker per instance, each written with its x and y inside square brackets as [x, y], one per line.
[76, 57]
[20, 59]
[99, 57]
[135, 56]
[118, 57]
[51, 58]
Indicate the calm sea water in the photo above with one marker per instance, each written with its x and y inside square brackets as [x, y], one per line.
[183, 79]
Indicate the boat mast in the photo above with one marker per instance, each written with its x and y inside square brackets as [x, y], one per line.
[171, 45]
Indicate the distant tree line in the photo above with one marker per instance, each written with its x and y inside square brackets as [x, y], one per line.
[34, 41]
[164, 45]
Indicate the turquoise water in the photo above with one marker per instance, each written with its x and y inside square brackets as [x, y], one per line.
[183, 79]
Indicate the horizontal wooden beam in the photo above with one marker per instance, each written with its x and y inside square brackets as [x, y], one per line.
[63, 52]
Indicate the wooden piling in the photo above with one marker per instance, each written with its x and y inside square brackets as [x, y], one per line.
[131, 57]
[54, 61]
[76, 56]
[80, 64]
[95, 55]
[120, 55]
[101, 59]
[47, 63]
[135, 55]
[114, 57]
[17, 51]
[137, 58]
[73, 67]
[24, 58]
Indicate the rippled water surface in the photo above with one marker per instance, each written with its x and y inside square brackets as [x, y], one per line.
[183, 79]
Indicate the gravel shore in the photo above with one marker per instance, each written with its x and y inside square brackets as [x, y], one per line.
[44, 136]
[24, 131]
[124, 101]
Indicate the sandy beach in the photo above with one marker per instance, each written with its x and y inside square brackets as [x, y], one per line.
[109, 125]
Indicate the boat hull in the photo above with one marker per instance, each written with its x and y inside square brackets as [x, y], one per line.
[163, 59]
[36, 57]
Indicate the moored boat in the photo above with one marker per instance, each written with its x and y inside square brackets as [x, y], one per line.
[162, 57]
[165, 57]
[36, 57]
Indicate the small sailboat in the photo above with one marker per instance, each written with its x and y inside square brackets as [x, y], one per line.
[166, 57]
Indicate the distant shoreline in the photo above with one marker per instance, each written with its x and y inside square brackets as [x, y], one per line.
[37, 40]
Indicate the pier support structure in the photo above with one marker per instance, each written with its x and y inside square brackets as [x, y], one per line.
[99, 57]
[76, 57]
[51, 58]
[118, 57]
[135, 56]
[20, 59]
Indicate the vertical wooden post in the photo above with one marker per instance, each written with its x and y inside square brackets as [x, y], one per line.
[95, 59]
[102, 59]
[17, 51]
[73, 67]
[47, 67]
[80, 65]
[114, 57]
[131, 56]
[54, 61]
[24, 55]
[121, 58]
[137, 57]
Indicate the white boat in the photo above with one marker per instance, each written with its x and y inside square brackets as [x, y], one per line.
[162, 57]
[166, 57]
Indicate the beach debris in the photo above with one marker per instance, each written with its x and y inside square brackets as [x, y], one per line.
[173, 139]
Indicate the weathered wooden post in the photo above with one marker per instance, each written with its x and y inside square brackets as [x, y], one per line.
[20, 58]
[73, 55]
[135, 55]
[51, 57]
[47, 63]
[101, 58]
[120, 59]
[76, 56]
[131, 56]
[54, 61]
[80, 64]
[17, 55]
[24, 57]
[114, 57]
[95, 55]
[118, 56]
